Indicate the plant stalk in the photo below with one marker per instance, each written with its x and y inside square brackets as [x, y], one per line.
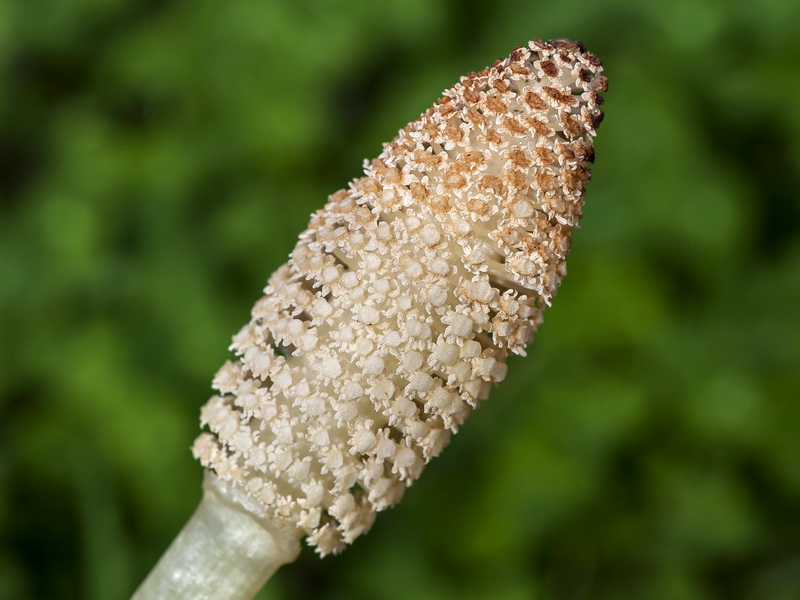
[227, 550]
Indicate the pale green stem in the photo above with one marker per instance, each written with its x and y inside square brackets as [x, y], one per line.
[226, 551]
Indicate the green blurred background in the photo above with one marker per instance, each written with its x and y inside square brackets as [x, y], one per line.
[157, 160]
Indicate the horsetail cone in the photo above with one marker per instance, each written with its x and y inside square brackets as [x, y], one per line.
[402, 300]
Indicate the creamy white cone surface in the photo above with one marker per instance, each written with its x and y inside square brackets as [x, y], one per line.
[402, 300]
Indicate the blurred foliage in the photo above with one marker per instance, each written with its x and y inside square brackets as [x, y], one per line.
[158, 158]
